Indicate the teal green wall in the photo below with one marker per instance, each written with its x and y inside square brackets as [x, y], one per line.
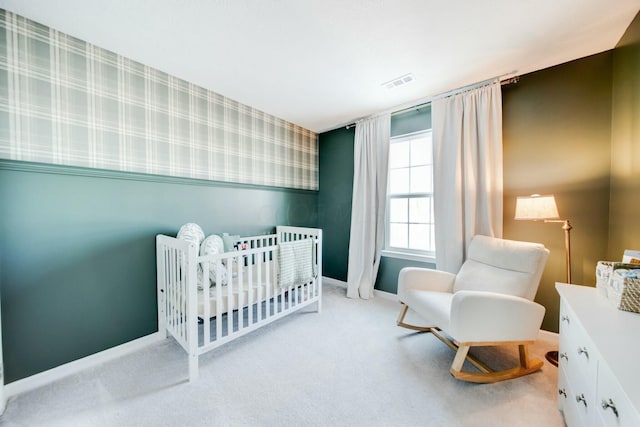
[388, 273]
[334, 198]
[77, 253]
[411, 121]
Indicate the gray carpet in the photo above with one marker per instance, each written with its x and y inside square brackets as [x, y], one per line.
[348, 366]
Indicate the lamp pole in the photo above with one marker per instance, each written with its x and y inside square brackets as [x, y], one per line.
[567, 246]
[566, 226]
[537, 208]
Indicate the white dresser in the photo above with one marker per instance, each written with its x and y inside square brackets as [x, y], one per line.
[599, 360]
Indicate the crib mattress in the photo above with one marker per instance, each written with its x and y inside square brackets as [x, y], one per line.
[245, 297]
[241, 296]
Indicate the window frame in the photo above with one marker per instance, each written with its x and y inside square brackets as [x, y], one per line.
[406, 253]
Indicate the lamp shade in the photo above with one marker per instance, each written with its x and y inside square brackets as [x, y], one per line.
[536, 207]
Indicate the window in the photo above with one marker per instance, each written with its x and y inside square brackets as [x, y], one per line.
[409, 218]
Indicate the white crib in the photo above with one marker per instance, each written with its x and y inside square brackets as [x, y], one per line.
[204, 319]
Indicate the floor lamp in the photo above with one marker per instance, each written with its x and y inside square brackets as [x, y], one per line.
[544, 208]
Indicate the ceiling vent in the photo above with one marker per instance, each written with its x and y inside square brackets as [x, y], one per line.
[399, 81]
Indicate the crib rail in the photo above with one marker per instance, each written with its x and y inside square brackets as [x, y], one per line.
[177, 289]
[243, 292]
[288, 234]
[249, 279]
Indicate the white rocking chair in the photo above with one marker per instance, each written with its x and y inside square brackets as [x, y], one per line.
[489, 302]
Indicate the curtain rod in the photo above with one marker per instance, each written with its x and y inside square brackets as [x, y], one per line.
[504, 80]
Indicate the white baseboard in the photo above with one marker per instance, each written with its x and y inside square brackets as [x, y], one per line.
[385, 295]
[54, 374]
[381, 294]
[335, 282]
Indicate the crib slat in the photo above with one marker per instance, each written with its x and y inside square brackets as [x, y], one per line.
[180, 295]
[175, 279]
[176, 295]
[161, 287]
[250, 289]
[268, 286]
[191, 310]
[230, 296]
[259, 291]
[182, 298]
[291, 296]
[169, 285]
[177, 264]
[240, 292]
[171, 261]
[206, 304]
[219, 301]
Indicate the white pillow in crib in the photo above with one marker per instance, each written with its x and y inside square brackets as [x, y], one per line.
[192, 233]
[210, 246]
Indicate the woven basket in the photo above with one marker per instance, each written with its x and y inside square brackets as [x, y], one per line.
[624, 292]
[603, 272]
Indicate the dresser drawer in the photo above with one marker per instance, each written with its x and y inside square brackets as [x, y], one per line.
[577, 410]
[577, 355]
[614, 407]
[563, 390]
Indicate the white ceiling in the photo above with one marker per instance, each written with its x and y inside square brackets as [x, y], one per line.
[320, 63]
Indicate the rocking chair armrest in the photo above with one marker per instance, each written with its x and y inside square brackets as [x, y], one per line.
[478, 316]
[424, 279]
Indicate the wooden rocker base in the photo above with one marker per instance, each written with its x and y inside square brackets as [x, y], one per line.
[486, 374]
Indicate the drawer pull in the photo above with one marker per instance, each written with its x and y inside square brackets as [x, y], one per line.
[564, 356]
[611, 405]
[563, 392]
[580, 398]
[565, 318]
[583, 350]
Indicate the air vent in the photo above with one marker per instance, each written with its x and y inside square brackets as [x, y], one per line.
[399, 81]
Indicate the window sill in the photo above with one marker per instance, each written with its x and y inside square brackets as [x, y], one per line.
[409, 257]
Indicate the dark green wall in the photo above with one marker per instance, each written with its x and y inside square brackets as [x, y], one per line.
[77, 253]
[334, 199]
[388, 273]
[624, 230]
[557, 140]
[335, 195]
[411, 121]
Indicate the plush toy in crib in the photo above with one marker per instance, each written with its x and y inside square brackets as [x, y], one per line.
[192, 233]
[213, 245]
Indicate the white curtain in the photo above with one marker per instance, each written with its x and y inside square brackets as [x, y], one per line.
[370, 164]
[467, 138]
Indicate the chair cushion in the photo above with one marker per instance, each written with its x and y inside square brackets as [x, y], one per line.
[507, 254]
[476, 276]
[503, 266]
[432, 306]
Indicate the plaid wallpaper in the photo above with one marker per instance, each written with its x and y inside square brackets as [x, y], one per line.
[65, 101]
